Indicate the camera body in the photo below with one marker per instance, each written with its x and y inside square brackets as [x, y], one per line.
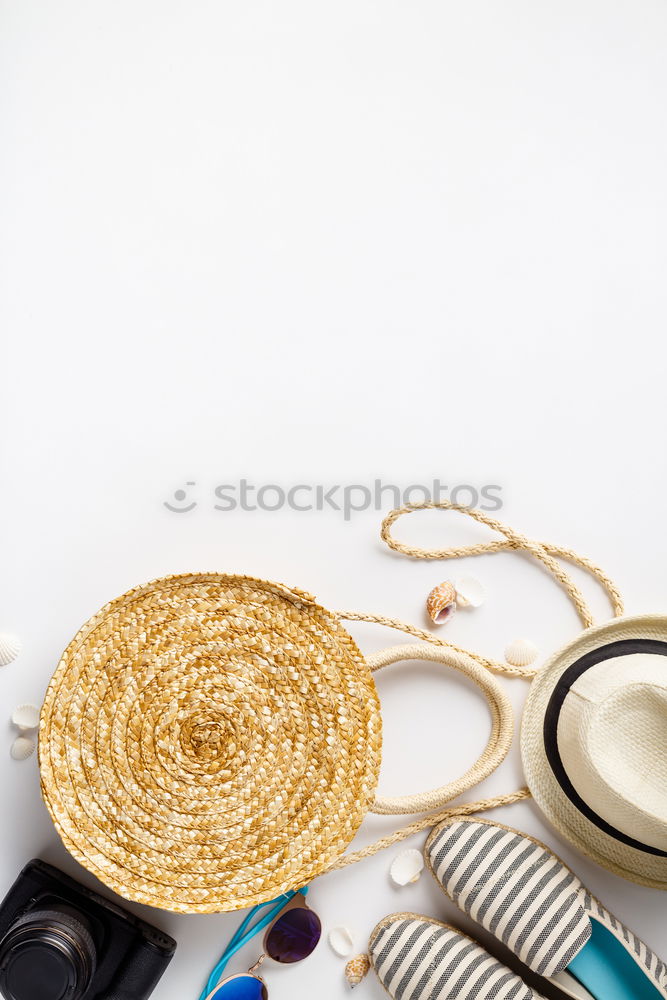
[61, 941]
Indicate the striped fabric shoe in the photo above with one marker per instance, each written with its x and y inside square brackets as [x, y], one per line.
[416, 958]
[522, 893]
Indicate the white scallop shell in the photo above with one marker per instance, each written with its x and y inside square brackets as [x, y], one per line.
[521, 653]
[10, 647]
[25, 717]
[406, 867]
[340, 939]
[22, 748]
[469, 592]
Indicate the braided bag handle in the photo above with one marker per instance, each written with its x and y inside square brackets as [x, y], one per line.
[473, 665]
[547, 554]
[497, 748]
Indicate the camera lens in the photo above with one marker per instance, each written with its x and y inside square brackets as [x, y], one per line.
[47, 955]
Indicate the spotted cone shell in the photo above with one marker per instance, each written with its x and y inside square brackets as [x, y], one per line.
[441, 602]
[356, 969]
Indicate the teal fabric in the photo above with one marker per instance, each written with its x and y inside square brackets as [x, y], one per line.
[608, 971]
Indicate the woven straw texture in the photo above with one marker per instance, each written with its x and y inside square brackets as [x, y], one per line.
[622, 859]
[209, 741]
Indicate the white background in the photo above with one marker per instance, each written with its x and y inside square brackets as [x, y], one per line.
[329, 242]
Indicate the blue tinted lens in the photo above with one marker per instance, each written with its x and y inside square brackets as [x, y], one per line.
[243, 987]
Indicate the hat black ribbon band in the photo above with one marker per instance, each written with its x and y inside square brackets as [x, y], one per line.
[625, 647]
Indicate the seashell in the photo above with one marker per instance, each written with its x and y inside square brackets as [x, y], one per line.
[356, 969]
[10, 647]
[441, 602]
[521, 653]
[22, 748]
[340, 939]
[406, 867]
[25, 718]
[469, 592]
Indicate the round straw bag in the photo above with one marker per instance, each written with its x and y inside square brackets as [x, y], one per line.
[210, 741]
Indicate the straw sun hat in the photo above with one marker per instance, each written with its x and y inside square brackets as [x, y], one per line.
[594, 745]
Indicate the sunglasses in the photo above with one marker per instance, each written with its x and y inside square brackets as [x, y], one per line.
[292, 936]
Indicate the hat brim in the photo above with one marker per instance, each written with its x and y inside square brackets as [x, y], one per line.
[549, 785]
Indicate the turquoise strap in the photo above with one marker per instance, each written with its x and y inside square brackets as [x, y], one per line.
[242, 935]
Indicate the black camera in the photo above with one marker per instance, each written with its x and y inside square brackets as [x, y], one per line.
[61, 941]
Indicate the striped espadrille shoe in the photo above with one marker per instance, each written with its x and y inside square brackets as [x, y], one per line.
[416, 958]
[529, 899]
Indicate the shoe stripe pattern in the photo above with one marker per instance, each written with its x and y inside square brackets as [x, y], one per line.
[418, 960]
[516, 889]
[520, 892]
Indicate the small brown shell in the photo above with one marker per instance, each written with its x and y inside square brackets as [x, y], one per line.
[441, 602]
[356, 969]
